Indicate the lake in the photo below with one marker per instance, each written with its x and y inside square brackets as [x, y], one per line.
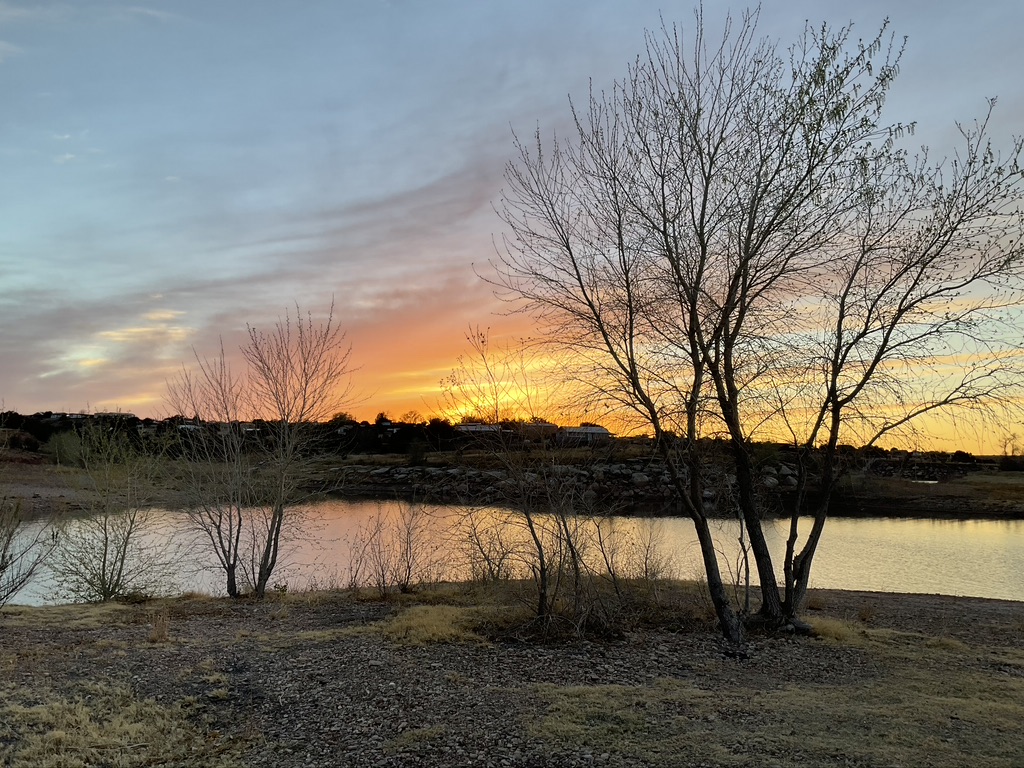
[337, 542]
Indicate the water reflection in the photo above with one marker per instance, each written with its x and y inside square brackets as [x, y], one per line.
[979, 558]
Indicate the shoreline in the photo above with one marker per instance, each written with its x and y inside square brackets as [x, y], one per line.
[841, 595]
[46, 489]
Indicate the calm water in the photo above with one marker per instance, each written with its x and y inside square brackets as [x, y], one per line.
[972, 558]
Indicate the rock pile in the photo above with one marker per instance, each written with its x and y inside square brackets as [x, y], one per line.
[623, 485]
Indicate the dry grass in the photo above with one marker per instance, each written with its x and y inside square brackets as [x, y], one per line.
[883, 695]
[835, 630]
[947, 644]
[102, 725]
[416, 737]
[1000, 486]
[74, 616]
[816, 603]
[425, 624]
[865, 614]
[938, 702]
[280, 639]
[973, 491]
[160, 629]
[948, 718]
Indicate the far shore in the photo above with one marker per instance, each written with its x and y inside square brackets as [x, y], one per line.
[45, 489]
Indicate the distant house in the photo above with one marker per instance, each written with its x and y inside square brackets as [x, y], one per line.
[537, 431]
[585, 434]
[478, 429]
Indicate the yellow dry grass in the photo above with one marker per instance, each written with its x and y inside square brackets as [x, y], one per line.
[425, 624]
[836, 630]
[73, 616]
[102, 725]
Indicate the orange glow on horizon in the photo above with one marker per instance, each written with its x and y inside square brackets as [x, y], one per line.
[401, 358]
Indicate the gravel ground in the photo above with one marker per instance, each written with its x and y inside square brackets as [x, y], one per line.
[291, 682]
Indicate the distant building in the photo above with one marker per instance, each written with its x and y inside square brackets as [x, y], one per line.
[478, 429]
[537, 431]
[589, 434]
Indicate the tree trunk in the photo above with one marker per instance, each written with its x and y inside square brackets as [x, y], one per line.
[800, 568]
[728, 621]
[542, 569]
[232, 581]
[771, 604]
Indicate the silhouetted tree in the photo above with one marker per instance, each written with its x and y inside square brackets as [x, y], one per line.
[294, 375]
[731, 242]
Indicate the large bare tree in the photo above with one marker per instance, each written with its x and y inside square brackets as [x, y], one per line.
[243, 480]
[733, 242]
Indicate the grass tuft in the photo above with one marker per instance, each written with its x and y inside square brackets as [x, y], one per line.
[836, 630]
[415, 737]
[160, 629]
[426, 624]
[941, 642]
[865, 614]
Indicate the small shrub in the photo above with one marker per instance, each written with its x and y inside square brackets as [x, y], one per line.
[865, 614]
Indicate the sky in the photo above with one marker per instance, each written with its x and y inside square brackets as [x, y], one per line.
[173, 171]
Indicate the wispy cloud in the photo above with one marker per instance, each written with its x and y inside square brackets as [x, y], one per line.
[34, 10]
[7, 50]
[11, 12]
[151, 13]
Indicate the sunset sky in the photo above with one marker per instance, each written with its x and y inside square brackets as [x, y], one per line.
[170, 171]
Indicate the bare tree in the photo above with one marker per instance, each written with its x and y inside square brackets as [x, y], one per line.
[734, 244]
[217, 461]
[495, 388]
[118, 548]
[512, 387]
[24, 547]
[244, 478]
[394, 549]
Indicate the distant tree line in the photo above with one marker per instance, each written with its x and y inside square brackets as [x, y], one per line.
[344, 435]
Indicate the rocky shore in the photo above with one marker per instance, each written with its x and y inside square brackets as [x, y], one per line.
[643, 487]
